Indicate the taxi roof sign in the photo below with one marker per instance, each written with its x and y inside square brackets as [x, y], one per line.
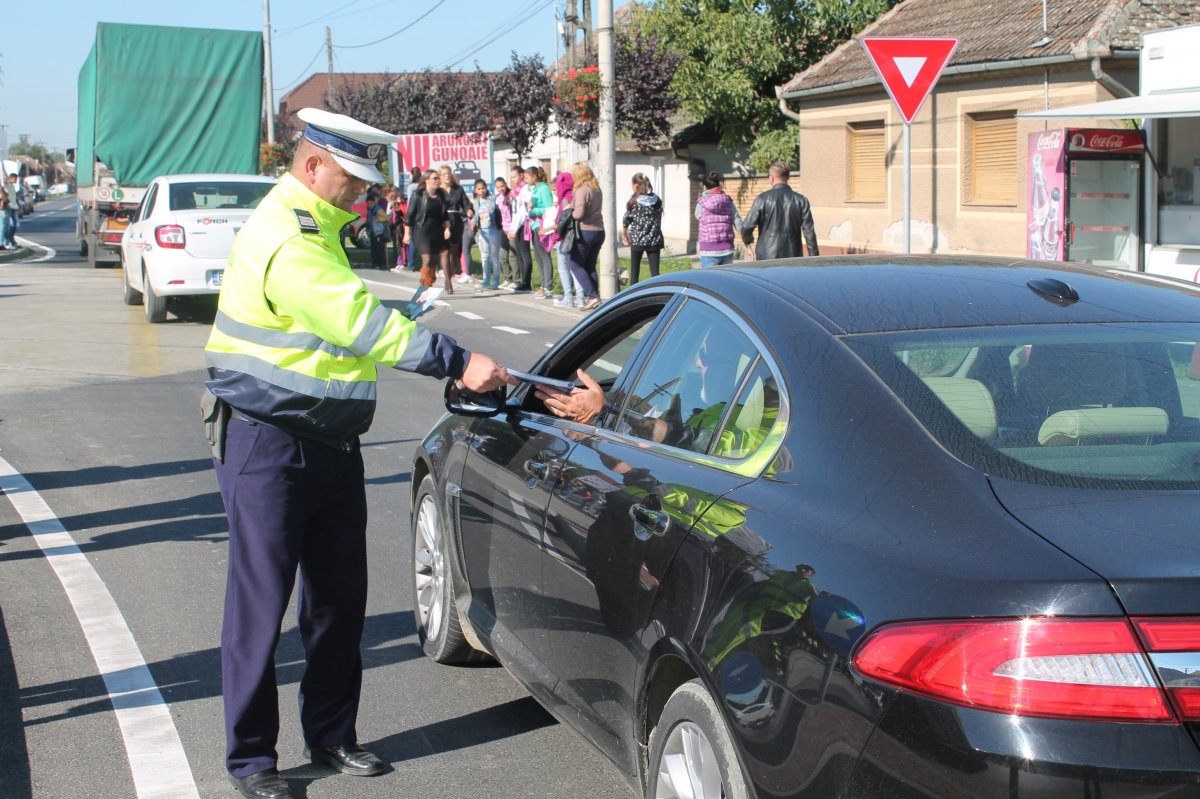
[909, 67]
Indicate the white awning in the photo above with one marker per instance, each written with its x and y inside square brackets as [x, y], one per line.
[1156, 106]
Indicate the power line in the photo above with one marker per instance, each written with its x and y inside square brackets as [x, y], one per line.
[506, 24]
[324, 16]
[287, 86]
[502, 33]
[390, 35]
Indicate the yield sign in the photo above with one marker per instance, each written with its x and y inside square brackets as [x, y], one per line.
[909, 67]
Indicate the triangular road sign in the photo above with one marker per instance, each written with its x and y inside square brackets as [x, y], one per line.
[909, 67]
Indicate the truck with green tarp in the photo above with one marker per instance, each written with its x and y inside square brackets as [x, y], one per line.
[160, 101]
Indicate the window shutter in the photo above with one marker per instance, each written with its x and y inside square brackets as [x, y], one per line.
[868, 161]
[994, 158]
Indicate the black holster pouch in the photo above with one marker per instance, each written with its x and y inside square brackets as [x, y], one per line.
[215, 413]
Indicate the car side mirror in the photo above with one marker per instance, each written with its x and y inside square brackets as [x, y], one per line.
[461, 401]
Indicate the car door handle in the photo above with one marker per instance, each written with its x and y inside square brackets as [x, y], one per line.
[653, 522]
[539, 470]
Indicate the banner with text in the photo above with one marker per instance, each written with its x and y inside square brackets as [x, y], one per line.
[469, 156]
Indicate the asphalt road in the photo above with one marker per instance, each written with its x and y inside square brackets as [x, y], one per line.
[99, 413]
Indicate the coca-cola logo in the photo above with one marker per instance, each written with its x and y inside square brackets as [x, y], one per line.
[1104, 141]
[1110, 142]
[1050, 140]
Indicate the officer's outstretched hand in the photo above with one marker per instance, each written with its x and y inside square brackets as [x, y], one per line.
[483, 374]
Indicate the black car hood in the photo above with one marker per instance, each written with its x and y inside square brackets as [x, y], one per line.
[1146, 544]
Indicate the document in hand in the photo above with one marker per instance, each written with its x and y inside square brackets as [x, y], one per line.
[422, 302]
[526, 377]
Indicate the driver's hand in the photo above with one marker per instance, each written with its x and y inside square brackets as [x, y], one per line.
[583, 403]
[483, 374]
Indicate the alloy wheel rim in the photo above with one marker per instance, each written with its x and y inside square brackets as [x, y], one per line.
[430, 574]
[689, 768]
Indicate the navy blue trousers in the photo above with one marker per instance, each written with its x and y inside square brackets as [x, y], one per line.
[292, 503]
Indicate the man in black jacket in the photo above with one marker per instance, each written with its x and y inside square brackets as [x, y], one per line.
[781, 215]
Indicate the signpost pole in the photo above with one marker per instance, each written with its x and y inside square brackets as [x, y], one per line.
[909, 67]
[907, 188]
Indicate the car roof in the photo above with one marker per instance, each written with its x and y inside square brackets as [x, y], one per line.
[865, 294]
[228, 177]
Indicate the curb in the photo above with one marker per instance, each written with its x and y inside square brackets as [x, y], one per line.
[14, 255]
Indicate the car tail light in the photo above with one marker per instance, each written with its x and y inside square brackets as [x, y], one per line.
[112, 237]
[1174, 647]
[1050, 667]
[169, 236]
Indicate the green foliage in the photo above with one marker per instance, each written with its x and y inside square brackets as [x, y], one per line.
[38, 152]
[735, 52]
[772, 146]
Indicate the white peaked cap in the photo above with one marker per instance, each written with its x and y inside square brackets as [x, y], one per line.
[354, 145]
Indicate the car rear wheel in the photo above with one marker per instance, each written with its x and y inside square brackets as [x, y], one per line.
[691, 750]
[156, 306]
[438, 626]
[131, 295]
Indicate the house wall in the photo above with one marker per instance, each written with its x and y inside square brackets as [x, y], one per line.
[944, 218]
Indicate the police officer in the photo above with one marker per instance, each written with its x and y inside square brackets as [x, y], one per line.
[293, 352]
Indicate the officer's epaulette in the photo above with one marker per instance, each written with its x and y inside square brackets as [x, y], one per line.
[307, 223]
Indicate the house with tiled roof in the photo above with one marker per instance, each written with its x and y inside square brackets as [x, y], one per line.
[968, 143]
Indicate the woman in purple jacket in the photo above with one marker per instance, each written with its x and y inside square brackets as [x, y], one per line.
[719, 222]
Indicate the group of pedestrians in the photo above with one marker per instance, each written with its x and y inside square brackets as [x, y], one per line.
[527, 218]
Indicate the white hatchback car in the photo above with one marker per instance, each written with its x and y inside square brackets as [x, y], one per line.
[180, 238]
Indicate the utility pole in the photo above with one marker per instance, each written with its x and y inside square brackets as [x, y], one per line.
[329, 51]
[270, 90]
[570, 32]
[606, 155]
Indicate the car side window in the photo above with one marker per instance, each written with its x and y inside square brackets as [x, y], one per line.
[147, 203]
[685, 395]
[606, 358]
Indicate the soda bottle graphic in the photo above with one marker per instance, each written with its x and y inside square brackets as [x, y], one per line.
[1040, 205]
[1051, 232]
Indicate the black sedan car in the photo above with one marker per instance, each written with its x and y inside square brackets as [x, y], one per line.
[845, 527]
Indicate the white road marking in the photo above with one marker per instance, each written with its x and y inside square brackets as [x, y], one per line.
[516, 331]
[156, 758]
[468, 315]
[50, 252]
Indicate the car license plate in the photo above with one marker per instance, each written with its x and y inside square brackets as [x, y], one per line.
[215, 278]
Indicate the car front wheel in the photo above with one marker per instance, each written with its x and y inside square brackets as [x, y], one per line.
[438, 626]
[156, 306]
[691, 750]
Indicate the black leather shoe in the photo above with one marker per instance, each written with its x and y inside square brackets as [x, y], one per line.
[263, 785]
[347, 758]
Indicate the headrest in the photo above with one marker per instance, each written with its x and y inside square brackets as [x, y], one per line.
[1067, 428]
[967, 399]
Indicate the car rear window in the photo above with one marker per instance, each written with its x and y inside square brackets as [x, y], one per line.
[211, 195]
[1107, 405]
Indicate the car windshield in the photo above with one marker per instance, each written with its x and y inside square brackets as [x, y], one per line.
[211, 195]
[1101, 406]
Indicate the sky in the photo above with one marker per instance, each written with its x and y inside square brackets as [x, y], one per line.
[43, 46]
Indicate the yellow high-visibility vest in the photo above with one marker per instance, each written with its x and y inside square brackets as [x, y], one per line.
[297, 335]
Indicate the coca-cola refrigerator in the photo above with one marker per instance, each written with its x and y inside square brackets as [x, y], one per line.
[1085, 196]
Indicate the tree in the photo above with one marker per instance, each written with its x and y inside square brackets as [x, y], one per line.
[735, 52]
[422, 102]
[644, 103]
[522, 97]
[645, 68]
[38, 152]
